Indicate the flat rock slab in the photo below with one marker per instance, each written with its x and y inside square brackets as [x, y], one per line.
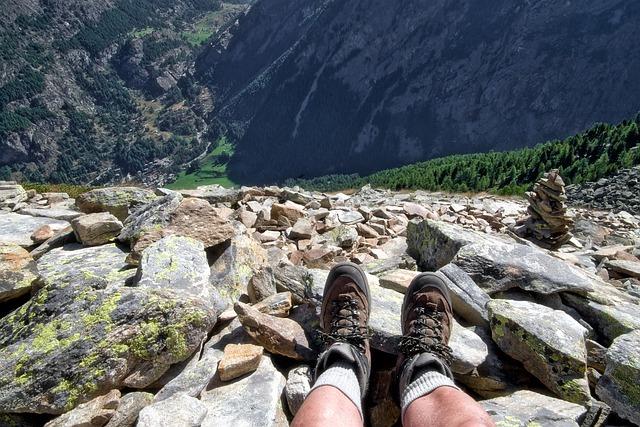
[96, 229]
[17, 229]
[549, 343]
[254, 400]
[627, 268]
[98, 266]
[502, 266]
[53, 213]
[619, 387]
[527, 408]
[177, 411]
[398, 279]
[469, 350]
[467, 298]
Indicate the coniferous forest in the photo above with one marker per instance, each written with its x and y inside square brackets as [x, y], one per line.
[589, 156]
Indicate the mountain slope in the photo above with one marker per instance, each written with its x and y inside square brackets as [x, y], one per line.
[311, 87]
[95, 92]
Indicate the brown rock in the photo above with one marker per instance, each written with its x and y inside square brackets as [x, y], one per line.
[302, 229]
[238, 360]
[286, 214]
[96, 229]
[318, 256]
[398, 280]
[278, 336]
[42, 234]
[17, 272]
[276, 305]
[261, 285]
[413, 210]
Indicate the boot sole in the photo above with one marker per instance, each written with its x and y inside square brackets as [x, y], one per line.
[355, 273]
[423, 280]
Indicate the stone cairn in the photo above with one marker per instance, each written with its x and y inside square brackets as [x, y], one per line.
[548, 224]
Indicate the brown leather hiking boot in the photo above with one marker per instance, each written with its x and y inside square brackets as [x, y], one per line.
[427, 319]
[344, 320]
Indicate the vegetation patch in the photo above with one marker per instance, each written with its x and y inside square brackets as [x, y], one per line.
[212, 169]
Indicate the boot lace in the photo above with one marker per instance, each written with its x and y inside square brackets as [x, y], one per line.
[419, 341]
[344, 325]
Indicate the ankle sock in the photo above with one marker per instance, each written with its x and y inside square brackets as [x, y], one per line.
[422, 384]
[342, 376]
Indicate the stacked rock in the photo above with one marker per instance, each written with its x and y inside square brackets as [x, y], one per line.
[548, 224]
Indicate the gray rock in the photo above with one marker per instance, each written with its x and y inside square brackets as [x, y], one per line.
[149, 217]
[17, 229]
[251, 401]
[295, 279]
[549, 343]
[85, 332]
[53, 213]
[433, 244]
[342, 236]
[96, 229]
[97, 267]
[119, 201]
[611, 315]
[302, 229]
[179, 410]
[261, 285]
[501, 266]
[619, 387]
[527, 408]
[214, 194]
[180, 264]
[350, 217]
[298, 386]
[17, 272]
[231, 272]
[129, 408]
[96, 412]
[469, 351]
[467, 299]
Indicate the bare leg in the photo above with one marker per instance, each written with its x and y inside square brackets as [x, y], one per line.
[326, 406]
[446, 407]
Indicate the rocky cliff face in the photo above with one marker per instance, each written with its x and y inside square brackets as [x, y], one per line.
[130, 304]
[315, 87]
[94, 92]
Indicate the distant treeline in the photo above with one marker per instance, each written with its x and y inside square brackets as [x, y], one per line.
[589, 156]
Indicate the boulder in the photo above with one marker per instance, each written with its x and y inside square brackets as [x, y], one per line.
[17, 229]
[261, 285]
[150, 217]
[350, 217]
[96, 229]
[611, 314]
[302, 229]
[276, 305]
[342, 236]
[501, 266]
[433, 244]
[179, 410]
[624, 267]
[254, 400]
[231, 272]
[549, 343]
[527, 408]
[86, 332]
[619, 387]
[191, 217]
[119, 201]
[129, 408]
[277, 335]
[42, 234]
[17, 272]
[59, 238]
[95, 413]
[286, 214]
[238, 360]
[180, 264]
[467, 299]
[298, 386]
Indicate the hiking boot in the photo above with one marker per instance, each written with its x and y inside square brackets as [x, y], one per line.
[344, 319]
[427, 320]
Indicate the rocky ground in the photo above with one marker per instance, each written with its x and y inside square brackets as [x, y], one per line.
[199, 308]
[619, 192]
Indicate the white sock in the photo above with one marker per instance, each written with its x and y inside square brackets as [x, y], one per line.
[342, 376]
[423, 384]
